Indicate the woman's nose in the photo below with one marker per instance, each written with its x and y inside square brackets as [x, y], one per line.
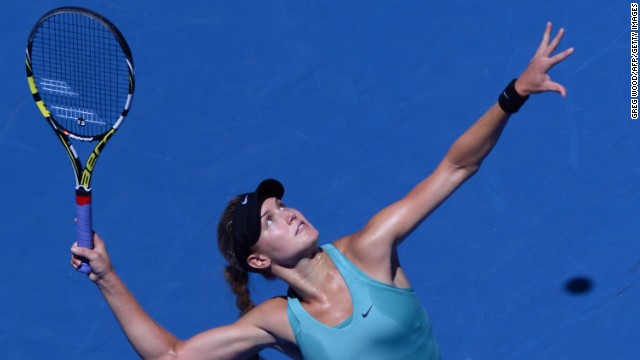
[291, 216]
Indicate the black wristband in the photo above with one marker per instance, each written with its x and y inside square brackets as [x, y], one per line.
[510, 101]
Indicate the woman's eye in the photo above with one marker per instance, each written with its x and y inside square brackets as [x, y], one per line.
[281, 206]
[269, 222]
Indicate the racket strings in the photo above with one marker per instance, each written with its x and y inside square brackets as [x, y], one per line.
[81, 72]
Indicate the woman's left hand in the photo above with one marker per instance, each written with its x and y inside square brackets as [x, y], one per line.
[535, 78]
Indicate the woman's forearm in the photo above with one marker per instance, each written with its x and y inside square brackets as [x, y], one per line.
[474, 145]
[149, 339]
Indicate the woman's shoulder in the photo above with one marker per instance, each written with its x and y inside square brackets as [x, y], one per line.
[266, 325]
[270, 315]
[273, 308]
[278, 303]
[377, 262]
[342, 244]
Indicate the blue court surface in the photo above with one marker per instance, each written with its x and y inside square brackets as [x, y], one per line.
[350, 104]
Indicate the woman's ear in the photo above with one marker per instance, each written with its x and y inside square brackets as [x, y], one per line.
[259, 261]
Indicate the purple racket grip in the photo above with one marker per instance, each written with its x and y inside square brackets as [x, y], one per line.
[84, 226]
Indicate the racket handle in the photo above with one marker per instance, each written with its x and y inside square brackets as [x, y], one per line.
[84, 226]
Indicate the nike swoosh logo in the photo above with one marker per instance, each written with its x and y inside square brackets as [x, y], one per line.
[244, 202]
[366, 311]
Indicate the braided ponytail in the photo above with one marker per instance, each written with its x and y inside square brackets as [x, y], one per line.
[234, 273]
[238, 279]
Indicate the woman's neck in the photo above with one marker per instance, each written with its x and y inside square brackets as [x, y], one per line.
[311, 277]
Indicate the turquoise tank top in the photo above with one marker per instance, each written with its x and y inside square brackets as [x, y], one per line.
[387, 322]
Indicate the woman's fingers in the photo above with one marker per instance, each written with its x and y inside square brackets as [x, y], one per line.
[545, 39]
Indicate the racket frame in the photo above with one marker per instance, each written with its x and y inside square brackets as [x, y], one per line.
[82, 174]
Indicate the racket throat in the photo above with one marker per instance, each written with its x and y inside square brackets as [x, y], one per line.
[83, 196]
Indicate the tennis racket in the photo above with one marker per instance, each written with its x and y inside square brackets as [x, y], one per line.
[80, 73]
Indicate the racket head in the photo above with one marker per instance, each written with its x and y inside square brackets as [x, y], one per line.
[80, 72]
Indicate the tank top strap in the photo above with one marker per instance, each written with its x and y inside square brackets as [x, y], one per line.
[355, 279]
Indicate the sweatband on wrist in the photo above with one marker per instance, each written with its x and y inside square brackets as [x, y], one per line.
[510, 101]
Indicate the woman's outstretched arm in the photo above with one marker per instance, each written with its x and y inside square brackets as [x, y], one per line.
[376, 242]
[148, 338]
[246, 336]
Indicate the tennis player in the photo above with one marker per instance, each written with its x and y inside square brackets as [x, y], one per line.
[349, 299]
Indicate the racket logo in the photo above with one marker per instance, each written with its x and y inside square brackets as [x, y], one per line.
[80, 116]
[57, 87]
